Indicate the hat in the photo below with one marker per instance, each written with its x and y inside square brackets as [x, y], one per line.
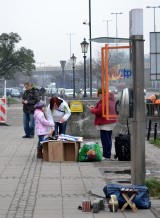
[39, 105]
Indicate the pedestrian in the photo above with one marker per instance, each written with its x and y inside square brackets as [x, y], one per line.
[105, 126]
[43, 127]
[29, 99]
[59, 112]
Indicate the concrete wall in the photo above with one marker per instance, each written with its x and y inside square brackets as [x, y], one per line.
[82, 124]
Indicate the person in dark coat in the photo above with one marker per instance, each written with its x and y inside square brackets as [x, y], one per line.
[29, 99]
[105, 126]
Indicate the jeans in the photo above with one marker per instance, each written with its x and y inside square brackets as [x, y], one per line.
[29, 125]
[60, 128]
[106, 139]
[40, 139]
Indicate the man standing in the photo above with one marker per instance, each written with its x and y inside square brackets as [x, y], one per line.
[29, 99]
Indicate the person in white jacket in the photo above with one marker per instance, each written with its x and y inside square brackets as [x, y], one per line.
[44, 128]
[59, 112]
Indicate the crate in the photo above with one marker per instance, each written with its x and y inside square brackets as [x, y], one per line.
[59, 151]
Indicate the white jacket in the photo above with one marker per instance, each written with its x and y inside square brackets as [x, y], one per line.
[57, 114]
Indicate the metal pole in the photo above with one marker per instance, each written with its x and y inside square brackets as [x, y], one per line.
[90, 43]
[155, 131]
[44, 75]
[85, 95]
[138, 134]
[63, 74]
[107, 28]
[154, 11]
[107, 21]
[63, 79]
[116, 27]
[5, 82]
[73, 82]
[149, 130]
[70, 43]
[154, 20]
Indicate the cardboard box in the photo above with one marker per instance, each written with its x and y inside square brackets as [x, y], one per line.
[59, 151]
[55, 151]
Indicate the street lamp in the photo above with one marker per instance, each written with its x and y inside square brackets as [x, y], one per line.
[154, 8]
[90, 45]
[73, 59]
[84, 47]
[63, 75]
[70, 42]
[116, 22]
[107, 26]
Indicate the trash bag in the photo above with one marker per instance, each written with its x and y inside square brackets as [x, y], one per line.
[90, 152]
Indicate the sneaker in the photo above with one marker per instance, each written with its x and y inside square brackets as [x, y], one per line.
[25, 136]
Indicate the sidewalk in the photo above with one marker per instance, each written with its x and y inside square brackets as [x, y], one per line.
[32, 188]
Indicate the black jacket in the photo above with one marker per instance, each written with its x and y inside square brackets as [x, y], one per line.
[32, 96]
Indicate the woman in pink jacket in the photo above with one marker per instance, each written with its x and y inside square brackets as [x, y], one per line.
[44, 128]
[103, 125]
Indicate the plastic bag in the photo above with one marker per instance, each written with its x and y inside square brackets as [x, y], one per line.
[90, 152]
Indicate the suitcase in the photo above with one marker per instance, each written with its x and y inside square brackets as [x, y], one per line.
[122, 146]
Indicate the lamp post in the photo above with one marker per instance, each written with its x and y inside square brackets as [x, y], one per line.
[63, 75]
[116, 22]
[154, 9]
[107, 26]
[73, 59]
[90, 46]
[84, 47]
[70, 42]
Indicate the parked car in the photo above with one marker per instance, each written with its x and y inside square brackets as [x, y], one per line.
[94, 92]
[8, 91]
[20, 90]
[69, 93]
[15, 92]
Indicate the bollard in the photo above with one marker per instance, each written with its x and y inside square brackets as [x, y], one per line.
[149, 129]
[155, 131]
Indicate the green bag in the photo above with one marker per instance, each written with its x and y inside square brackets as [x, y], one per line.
[90, 152]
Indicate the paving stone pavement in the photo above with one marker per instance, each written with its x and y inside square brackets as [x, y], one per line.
[32, 188]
